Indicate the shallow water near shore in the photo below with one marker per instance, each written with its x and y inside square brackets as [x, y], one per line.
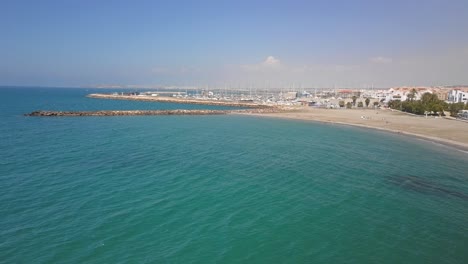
[219, 189]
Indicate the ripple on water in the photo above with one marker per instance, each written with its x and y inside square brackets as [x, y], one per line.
[223, 189]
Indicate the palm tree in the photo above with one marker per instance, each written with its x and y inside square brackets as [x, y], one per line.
[354, 100]
[367, 102]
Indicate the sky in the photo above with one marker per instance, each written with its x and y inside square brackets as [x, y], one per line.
[308, 44]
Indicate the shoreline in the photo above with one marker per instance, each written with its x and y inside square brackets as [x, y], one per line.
[458, 145]
[445, 131]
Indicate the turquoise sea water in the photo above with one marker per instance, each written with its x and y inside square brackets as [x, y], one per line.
[219, 189]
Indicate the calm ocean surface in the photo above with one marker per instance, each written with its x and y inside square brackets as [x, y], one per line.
[219, 189]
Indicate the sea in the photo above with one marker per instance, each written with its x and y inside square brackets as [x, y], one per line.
[219, 189]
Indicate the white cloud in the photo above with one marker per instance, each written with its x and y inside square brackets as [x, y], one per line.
[381, 60]
[270, 63]
[447, 67]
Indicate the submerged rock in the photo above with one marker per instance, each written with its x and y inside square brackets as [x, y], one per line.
[421, 185]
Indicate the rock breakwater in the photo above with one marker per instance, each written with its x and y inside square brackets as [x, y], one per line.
[150, 112]
[127, 113]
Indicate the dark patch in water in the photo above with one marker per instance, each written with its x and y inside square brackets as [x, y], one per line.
[420, 185]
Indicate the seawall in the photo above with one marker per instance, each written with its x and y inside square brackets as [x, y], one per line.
[127, 113]
[163, 99]
[150, 112]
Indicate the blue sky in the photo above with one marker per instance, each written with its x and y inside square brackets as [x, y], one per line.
[218, 43]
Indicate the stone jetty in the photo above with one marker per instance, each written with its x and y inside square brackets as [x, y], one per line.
[151, 112]
[127, 113]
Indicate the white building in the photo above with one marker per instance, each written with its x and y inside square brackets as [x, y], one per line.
[395, 94]
[457, 96]
[402, 93]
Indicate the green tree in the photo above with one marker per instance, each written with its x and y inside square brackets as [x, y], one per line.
[395, 104]
[429, 104]
[407, 107]
[354, 100]
[367, 102]
[360, 104]
[349, 105]
[341, 104]
[455, 108]
[429, 98]
[440, 110]
[419, 108]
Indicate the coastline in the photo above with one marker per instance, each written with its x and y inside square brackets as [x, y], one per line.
[445, 131]
[431, 134]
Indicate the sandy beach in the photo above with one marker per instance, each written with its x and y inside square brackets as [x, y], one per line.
[446, 131]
